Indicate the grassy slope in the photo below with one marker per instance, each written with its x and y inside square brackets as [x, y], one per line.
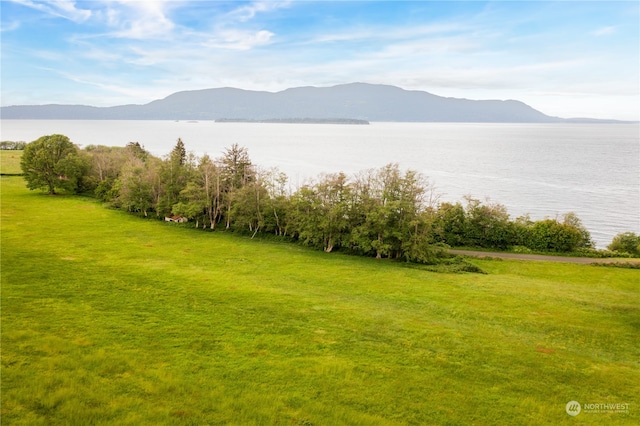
[10, 162]
[111, 319]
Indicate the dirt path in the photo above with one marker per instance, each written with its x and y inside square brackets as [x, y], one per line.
[584, 260]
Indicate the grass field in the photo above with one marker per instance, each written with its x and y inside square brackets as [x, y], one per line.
[10, 162]
[111, 319]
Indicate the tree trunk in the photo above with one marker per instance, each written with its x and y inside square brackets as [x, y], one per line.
[256, 231]
[279, 229]
[329, 245]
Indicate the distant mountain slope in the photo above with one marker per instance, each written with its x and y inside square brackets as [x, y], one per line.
[353, 101]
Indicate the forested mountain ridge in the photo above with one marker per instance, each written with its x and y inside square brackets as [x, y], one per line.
[359, 101]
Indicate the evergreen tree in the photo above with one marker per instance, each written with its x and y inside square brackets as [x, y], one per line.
[179, 153]
[237, 171]
[173, 175]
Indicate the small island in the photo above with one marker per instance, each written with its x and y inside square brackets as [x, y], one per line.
[295, 120]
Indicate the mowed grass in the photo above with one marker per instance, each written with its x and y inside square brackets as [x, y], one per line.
[112, 319]
[10, 162]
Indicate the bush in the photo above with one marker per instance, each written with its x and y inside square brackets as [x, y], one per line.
[488, 225]
[521, 249]
[627, 242]
[454, 265]
[551, 235]
[626, 265]
[571, 219]
[596, 253]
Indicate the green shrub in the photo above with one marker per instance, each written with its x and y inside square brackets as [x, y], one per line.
[627, 242]
[590, 252]
[551, 235]
[626, 265]
[521, 249]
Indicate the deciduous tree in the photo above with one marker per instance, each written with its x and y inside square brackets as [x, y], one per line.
[52, 162]
[626, 242]
[237, 171]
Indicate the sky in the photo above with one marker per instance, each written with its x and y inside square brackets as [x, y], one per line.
[564, 58]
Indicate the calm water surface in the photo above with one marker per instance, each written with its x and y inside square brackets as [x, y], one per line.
[541, 169]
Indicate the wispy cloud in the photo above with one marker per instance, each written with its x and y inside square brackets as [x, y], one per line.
[101, 48]
[247, 12]
[63, 9]
[239, 40]
[119, 90]
[11, 26]
[234, 30]
[390, 33]
[604, 31]
[139, 19]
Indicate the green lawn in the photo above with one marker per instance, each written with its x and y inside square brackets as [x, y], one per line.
[112, 319]
[10, 162]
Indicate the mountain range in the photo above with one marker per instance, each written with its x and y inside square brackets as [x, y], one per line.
[356, 101]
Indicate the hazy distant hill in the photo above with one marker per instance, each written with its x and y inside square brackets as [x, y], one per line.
[349, 101]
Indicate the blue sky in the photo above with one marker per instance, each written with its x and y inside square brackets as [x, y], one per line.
[567, 58]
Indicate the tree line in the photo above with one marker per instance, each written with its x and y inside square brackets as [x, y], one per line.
[12, 145]
[383, 213]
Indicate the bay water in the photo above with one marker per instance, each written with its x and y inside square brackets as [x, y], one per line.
[544, 170]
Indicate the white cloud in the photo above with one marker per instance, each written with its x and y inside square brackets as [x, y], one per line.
[233, 31]
[239, 40]
[12, 26]
[63, 9]
[159, 47]
[389, 34]
[112, 91]
[604, 31]
[139, 19]
[247, 12]
[67, 8]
